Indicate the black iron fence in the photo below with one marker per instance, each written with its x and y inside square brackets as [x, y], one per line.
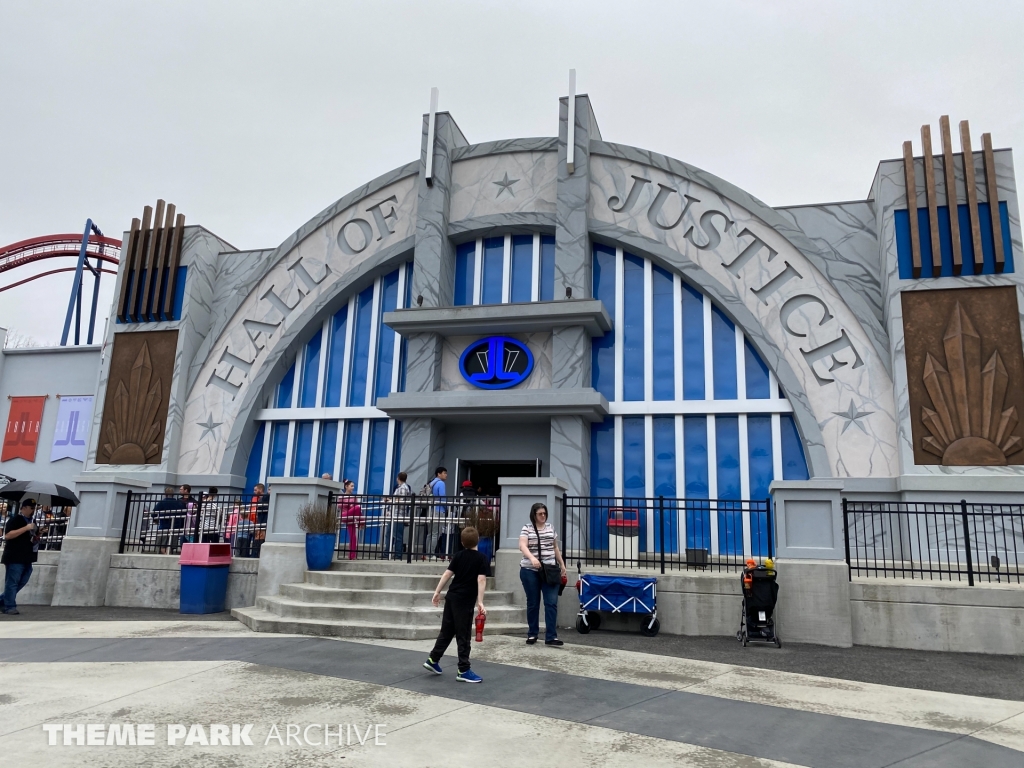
[157, 524]
[933, 541]
[666, 533]
[51, 526]
[412, 528]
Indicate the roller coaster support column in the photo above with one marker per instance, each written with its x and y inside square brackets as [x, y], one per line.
[75, 300]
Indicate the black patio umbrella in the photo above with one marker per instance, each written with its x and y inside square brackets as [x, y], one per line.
[59, 495]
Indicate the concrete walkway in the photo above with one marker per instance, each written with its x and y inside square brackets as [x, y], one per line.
[578, 704]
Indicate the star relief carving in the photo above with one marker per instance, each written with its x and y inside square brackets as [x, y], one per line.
[505, 185]
[209, 426]
[852, 416]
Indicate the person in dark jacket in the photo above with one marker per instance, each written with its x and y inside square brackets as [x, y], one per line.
[169, 514]
[19, 553]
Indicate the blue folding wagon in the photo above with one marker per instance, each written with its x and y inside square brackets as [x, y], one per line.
[617, 594]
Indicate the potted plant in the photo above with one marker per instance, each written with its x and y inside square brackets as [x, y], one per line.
[482, 517]
[321, 527]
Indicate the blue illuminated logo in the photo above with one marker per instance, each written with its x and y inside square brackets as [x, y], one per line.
[496, 362]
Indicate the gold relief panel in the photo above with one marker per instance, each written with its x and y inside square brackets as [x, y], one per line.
[965, 371]
[138, 393]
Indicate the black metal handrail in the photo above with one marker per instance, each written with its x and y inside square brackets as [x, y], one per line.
[412, 528]
[666, 533]
[155, 523]
[972, 542]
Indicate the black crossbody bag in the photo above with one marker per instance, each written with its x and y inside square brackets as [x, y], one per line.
[551, 574]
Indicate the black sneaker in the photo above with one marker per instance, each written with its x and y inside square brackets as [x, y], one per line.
[12, 612]
[531, 640]
[556, 642]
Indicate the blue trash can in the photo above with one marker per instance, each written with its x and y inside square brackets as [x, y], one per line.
[204, 577]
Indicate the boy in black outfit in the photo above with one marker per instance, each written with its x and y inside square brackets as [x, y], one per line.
[468, 572]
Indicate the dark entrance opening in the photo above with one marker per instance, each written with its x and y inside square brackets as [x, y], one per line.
[484, 474]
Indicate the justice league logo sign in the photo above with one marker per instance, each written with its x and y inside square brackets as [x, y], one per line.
[496, 362]
[72, 428]
[22, 435]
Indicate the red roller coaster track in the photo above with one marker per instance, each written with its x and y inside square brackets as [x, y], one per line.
[19, 254]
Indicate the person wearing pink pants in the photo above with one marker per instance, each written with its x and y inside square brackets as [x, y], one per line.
[351, 516]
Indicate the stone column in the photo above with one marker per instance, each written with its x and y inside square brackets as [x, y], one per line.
[570, 452]
[93, 535]
[283, 554]
[814, 582]
[518, 494]
[422, 450]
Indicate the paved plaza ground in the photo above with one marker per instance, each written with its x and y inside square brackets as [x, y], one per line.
[606, 699]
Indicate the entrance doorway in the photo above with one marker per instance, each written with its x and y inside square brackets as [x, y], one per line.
[484, 474]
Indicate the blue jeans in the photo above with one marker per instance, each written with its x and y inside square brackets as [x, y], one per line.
[17, 577]
[393, 548]
[534, 586]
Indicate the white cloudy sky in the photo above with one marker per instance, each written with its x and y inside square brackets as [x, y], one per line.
[253, 116]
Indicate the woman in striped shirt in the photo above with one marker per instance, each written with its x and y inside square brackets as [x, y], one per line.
[538, 542]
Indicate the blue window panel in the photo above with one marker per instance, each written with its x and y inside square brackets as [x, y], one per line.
[303, 448]
[284, 389]
[353, 451]
[663, 308]
[603, 348]
[758, 383]
[375, 480]
[405, 343]
[988, 247]
[336, 358]
[310, 372]
[397, 463]
[693, 344]
[602, 479]
[465, 273]
[179, 291]
[361, 348]
[494, 268]
[665, 483]
[255, 462]
[547, 268]
[634, 470]
[730, 517]
[761, 468]
[386, 336]
[1004, 220]
[633, 328]
[794, 465]
[723, 350]
[278, 450]
[328, 447]
[695, 461]
[522, 268]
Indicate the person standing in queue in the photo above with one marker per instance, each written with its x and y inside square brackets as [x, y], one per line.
[18, 555]
[539, 545]
[351, 516]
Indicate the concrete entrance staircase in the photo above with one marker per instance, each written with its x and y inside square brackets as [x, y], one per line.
[370, 599]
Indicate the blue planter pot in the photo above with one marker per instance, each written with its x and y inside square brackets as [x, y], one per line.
[486, 547]
[319, 551]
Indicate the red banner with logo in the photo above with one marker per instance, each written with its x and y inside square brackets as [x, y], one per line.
[22, 436]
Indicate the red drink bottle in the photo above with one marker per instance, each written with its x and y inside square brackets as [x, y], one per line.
[480, 619]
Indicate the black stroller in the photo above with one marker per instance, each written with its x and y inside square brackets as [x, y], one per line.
[760, 594]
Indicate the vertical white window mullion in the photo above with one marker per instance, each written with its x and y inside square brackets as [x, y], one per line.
[339, 449]
[773, 385]
[363, 459]
[346, 367]
[268, 436]
[618, 457]
[396, 356]
[371, 353]
[389, 458]
[478, 270]
[681, 483]
[649, 478]
[619, 315]
[535, 283]
[713, 481]
[709, 357]
[677, 328]
[289, 454]
[321, 386]
[776, 446]
[648, 332]
[745, 482]
[506, 271]
[741, 367]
